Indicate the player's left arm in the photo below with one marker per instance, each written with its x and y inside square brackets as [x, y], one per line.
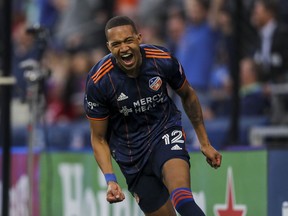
[193, 110]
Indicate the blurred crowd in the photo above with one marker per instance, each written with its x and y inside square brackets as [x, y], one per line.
[202, 34]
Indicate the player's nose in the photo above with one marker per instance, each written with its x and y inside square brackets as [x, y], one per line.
[123, 48]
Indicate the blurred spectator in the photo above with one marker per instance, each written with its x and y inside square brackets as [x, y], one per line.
[79, 23]
[226, 48]
[75, 84]
[271, 53]
[24, 47]
[272, 50]
[59, 63]
[175, 27]
[96, 54]
[220, 86]
[126, 7]
[220, 83]
[66, 86]
[151, 34]
[197, 48]
[152, 17]
[48, 14]
[152, 12]
[253, 100]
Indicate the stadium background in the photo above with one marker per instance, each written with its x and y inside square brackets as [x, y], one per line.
[52, 171]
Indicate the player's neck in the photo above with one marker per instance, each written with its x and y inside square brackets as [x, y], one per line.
[133, 74]
[135, 71]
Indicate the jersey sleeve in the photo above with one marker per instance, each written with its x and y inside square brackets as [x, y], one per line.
[95, 102]
[176, 76]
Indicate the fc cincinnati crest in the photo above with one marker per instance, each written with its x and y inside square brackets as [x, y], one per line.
[155, 83]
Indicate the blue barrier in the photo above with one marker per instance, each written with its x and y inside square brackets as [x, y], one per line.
[277, 180]
[76, 135]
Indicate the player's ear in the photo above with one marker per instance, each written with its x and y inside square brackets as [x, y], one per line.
[108, 46]
[139, 37]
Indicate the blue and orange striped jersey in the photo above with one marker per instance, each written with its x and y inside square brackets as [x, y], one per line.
[139, 109]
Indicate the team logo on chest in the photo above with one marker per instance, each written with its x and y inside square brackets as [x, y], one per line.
[155, 83]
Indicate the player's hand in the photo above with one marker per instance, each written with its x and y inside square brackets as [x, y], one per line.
[114, 193]
[213, 157]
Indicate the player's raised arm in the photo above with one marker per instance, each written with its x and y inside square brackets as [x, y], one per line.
[193, 110]
[103, 157]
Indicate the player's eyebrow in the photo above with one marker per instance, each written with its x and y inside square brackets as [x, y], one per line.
[120, 41]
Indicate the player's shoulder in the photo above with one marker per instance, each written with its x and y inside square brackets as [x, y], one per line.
[100, 69]
[155, 51]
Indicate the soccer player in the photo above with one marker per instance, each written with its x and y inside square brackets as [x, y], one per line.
[133, 119]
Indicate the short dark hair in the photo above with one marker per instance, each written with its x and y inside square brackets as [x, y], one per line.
[119, 21]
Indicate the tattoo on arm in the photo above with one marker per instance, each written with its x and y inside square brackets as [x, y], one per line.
[193, 109]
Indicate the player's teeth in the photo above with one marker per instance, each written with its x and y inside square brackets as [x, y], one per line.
[126, 55]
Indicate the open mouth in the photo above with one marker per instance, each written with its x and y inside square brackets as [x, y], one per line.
[127, 58]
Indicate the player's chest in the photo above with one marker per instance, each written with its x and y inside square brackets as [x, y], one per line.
[138, 94]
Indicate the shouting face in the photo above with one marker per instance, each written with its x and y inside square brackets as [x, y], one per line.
[123, 42]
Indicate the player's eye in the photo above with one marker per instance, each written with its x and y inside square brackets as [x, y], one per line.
[129, 40]
[114, 45]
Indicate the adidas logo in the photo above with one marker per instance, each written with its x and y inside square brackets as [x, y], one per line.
[176, 147]
[122, 97]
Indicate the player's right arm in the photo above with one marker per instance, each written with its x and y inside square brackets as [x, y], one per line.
[103, 157]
